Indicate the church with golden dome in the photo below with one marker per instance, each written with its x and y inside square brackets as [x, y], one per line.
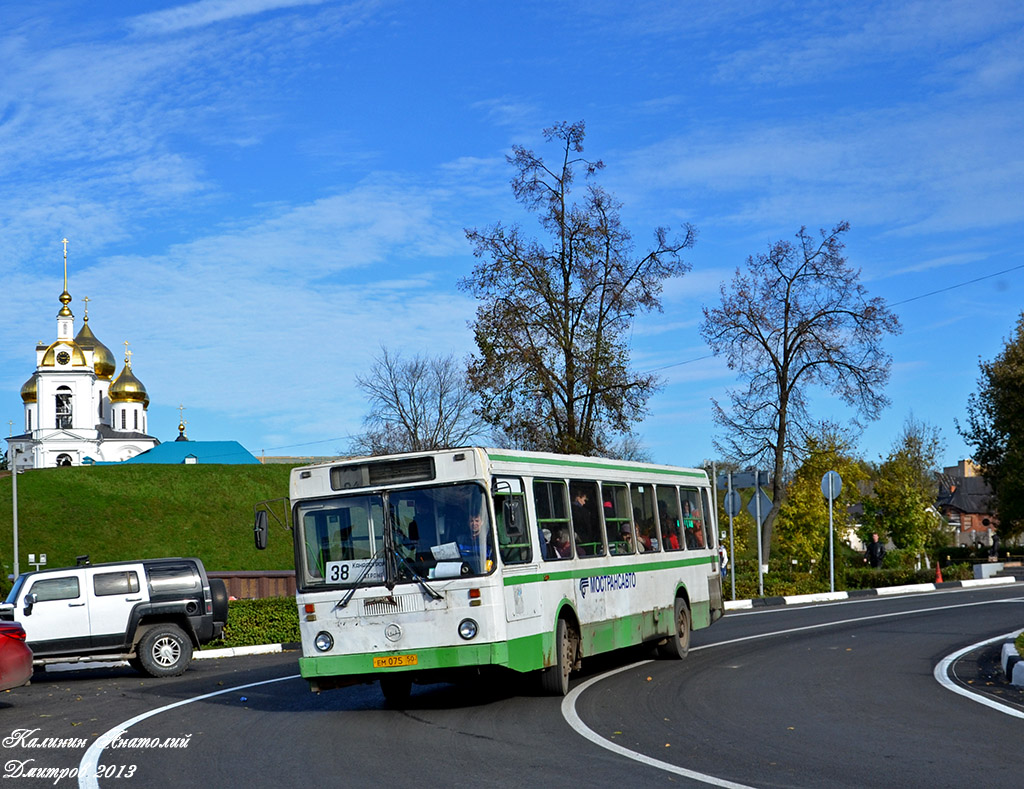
[76, 410]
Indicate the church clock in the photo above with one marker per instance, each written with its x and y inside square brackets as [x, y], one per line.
[63, 357]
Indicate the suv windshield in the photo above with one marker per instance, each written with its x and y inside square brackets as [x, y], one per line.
[12, 597]
[437, 532]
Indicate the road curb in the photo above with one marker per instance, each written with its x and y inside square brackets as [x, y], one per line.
[1012, 663]
[223, 652]
[884, 591]
[204, 654]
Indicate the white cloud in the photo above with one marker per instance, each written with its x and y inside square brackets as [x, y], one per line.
[208, 12]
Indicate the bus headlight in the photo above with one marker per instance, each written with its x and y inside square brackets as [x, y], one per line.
[323, 641]
[467, 629]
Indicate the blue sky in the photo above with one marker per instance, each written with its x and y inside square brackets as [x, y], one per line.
[258, 194]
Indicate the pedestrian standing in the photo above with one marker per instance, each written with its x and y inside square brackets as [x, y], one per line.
[875, 552]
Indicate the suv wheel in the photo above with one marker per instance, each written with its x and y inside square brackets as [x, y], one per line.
[165, 651]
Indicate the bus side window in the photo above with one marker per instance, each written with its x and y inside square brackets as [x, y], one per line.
[513, 537]
[552, 519]
[617, 521]
[668, 517]
[645, 518]
[709, 527]
[586, 520]
[692, 520]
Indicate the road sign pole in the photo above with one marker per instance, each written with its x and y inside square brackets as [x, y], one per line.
[732, 540]
[831, 540]
[831, 486]
[757, 517]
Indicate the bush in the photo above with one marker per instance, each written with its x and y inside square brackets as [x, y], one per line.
[272, 620]
[1020, 644]
[868, 578]
[786, 582]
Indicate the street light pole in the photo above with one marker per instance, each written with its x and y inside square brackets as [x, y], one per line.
[14, 496]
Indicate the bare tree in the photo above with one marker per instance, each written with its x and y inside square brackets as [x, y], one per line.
[552, 328]
[416, 404]
[797, 318]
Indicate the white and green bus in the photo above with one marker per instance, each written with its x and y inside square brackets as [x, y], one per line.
[412, 567]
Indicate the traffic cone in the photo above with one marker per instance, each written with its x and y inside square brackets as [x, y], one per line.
[938, 573]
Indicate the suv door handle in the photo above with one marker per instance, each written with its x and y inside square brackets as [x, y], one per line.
[76, 605]
[132, 599]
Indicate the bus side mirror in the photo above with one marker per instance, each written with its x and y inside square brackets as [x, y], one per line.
[30, 601]
[510, 511]
[260, 529]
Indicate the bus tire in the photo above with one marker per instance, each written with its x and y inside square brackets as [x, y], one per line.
[677, 645]
[396, 689]
[555, 680]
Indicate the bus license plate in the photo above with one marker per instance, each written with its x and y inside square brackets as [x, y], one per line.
[395, 661]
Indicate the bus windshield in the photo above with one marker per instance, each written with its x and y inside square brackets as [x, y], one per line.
[435, 533]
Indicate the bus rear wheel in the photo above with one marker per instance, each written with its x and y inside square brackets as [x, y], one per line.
[677, 645]
[555, 680]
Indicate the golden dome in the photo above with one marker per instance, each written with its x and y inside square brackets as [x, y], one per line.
[50, 355]
[29, 392]
[102, 359]
[126, 388]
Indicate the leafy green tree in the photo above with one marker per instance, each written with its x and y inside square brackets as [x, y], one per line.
[797, 318]
[801, 531]
[995, 428]
[905, 487]
[552, 327]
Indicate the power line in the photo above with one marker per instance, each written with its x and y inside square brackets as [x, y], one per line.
[894, 304]
[309, 443]
[959, 285]
[679, 364]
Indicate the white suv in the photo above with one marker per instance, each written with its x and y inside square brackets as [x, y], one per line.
[152, 612]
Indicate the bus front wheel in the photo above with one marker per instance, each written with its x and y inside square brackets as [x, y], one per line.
[555, 680]
[677, 645]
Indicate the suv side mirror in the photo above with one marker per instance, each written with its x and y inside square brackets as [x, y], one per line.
[30, 601]
[260, 529]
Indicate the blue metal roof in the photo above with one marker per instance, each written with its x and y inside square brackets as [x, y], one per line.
[230, 452]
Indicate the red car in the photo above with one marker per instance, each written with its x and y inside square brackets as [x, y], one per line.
[15, 656]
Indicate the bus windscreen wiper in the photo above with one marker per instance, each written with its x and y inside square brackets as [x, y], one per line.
[418, 578]
[362, 577]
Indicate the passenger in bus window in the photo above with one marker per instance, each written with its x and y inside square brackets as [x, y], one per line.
[692, 526]
[627, 539]
[640, 547]
[469, 542]
[644, 530]
[582, 518]
[561, 547]
[586, 521]
[545, 543]
[668, 528]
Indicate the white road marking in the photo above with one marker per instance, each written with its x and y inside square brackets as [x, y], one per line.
[574, 720]
[569, 713]
[91, 758]
[942, 676]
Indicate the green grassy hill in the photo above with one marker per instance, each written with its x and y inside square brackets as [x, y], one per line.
[142, 511]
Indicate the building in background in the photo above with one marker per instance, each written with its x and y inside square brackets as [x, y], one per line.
[76, 410]
[965, 501]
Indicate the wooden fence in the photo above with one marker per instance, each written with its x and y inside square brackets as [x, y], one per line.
[249, 584]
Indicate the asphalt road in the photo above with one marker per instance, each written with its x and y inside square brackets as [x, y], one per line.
[838, 695]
